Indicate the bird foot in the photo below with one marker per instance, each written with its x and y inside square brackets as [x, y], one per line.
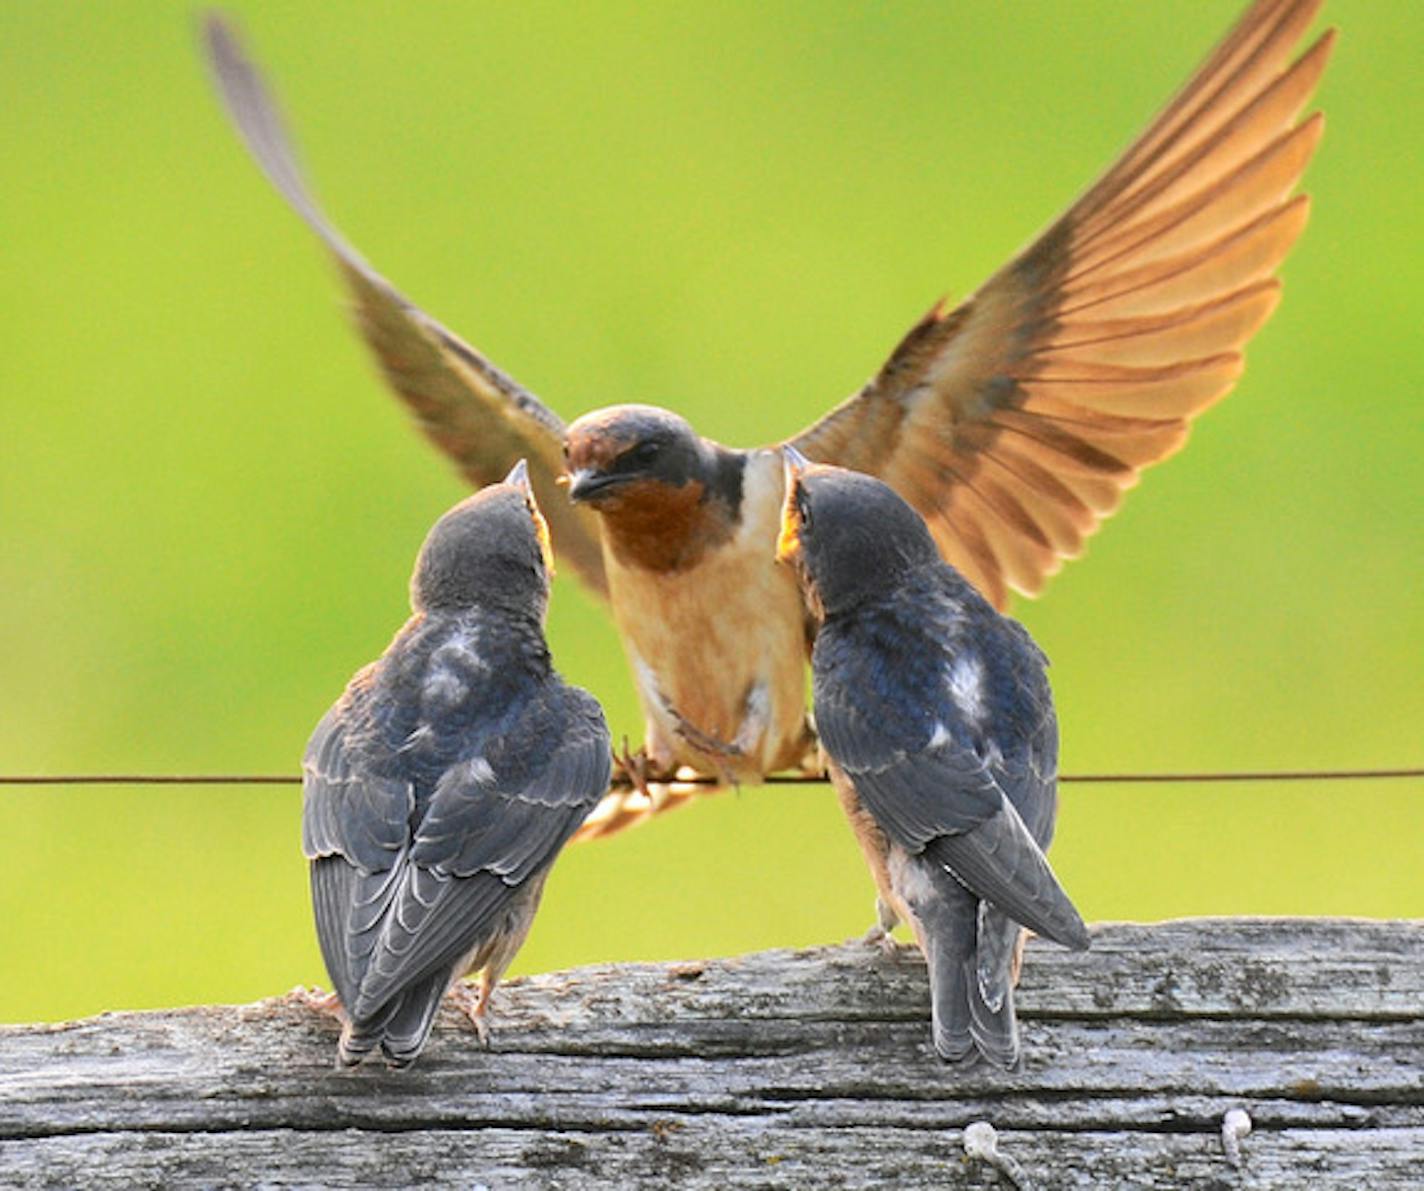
[473, 1002]
[327, 1003]
[640, 772]
[813, 764]
[633, 770]
[877, 936]
[638, 790]
[814, 769]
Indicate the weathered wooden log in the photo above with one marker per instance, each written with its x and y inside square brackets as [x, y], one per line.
[786, 1068]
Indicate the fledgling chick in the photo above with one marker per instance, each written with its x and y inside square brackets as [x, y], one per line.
[441, 786]
[936, 715]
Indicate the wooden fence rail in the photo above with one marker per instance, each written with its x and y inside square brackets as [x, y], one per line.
[781, 1069]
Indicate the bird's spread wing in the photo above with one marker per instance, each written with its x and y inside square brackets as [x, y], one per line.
[938, 797]
[495, 821]
[472, 411]
[1014, 422]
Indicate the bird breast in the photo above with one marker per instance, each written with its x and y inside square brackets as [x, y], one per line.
[719, 647]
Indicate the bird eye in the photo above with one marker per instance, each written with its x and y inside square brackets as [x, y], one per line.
[644, 453]
[803, 508]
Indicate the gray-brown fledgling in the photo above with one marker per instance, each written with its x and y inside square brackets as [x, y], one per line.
[936, 714]
[441, 786]
[1013, 422]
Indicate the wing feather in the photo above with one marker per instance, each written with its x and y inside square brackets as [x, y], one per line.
[494, 824]
[1016, 421]
[475, 413]
[943, 801]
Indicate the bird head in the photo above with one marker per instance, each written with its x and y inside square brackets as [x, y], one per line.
[627, 454]
[491, 549]
[849, 536]
[665, 493]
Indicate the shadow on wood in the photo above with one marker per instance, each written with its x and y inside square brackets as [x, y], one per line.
[787, 1068]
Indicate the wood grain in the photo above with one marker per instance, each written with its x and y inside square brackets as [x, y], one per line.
[785, 1068]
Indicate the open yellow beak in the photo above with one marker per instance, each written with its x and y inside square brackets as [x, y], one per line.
[788, 541]
[541, 531]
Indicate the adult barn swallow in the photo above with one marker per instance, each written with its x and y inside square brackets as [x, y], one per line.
[441, 786]
[1013, 422]
[935, 713]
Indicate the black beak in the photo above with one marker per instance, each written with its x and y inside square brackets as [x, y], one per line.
[586, 484]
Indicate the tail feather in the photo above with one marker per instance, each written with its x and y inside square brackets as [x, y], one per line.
[951, 978]
[971, 951]
[999, 937]
[995, 1029]
[410, 1025]
[994, 1024]
[400, 1027]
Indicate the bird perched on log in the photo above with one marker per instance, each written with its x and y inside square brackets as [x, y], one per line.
[936, 715]
[1013, 422]
[441, 786]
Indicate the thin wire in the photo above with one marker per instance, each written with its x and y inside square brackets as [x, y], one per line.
[776, 779]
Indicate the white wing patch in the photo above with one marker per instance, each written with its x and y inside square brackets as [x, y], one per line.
[940, 737]
[966, 686]
[480, 771]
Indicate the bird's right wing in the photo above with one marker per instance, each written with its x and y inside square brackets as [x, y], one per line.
[476, 414]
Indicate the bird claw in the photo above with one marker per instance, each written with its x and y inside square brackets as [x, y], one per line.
[886, 920]
[639, 789]
[877, 936]
[473, 1003]
[813, 764]
[633, 770]
[640, 773]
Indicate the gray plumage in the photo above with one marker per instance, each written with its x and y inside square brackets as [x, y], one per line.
[936, 713]
[441, 786]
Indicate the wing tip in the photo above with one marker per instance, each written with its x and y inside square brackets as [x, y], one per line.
[222, 39]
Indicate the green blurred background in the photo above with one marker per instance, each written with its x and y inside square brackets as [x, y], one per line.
[210, 504]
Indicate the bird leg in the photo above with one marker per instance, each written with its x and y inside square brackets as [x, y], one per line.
[1016, 964]
[633, 770]
[886, 920]
[725, 751]
[473, 1002]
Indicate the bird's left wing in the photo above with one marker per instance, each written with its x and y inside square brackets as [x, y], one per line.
[355, 830]
[1015, 422]
[476, 414]
[496, 820]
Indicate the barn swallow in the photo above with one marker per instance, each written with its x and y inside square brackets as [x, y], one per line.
[441, 786]
[936, 716]
[1013, 422]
